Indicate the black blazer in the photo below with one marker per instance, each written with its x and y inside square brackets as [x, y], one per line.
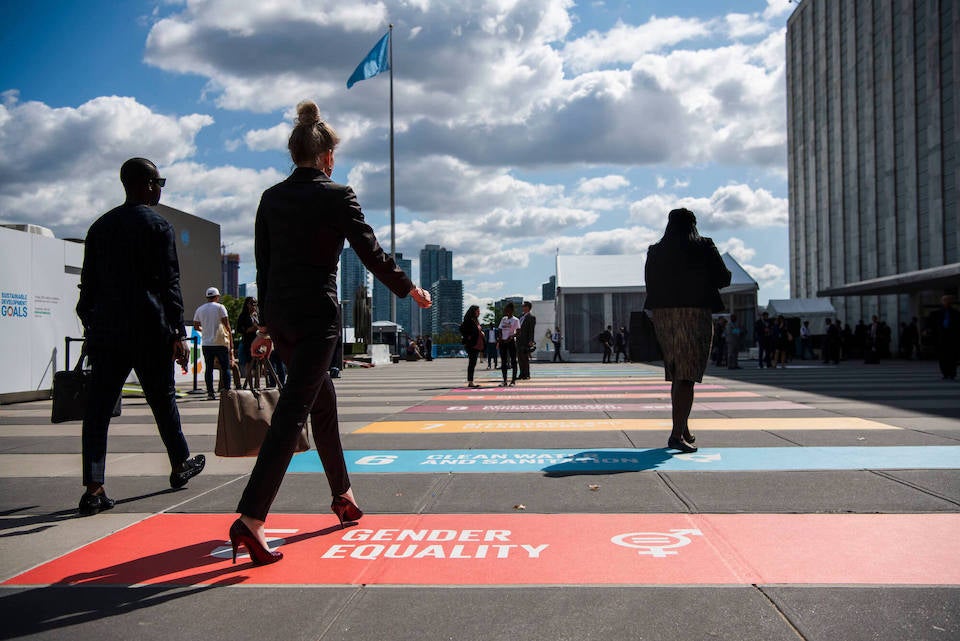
[685, 274]
[301, 226]
[130, 283]
[528, 328]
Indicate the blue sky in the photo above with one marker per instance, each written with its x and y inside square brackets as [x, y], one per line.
[524, 127]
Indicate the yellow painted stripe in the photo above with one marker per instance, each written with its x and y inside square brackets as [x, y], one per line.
[584, 396]
[613, 424]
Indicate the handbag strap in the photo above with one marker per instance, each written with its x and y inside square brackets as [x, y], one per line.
[272, 372]
[83, 356]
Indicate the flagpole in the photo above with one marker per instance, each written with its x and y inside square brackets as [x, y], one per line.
[393, 223]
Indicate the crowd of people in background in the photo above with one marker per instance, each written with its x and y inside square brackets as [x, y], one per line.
[872, 342]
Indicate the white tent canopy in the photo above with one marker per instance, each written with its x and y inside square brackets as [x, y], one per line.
[624, 272]
[801, 307]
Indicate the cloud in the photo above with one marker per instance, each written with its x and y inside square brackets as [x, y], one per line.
[738, 249]
[767, 276]
[624, 43]
[60, 166]
[492, 82]
[612, 182]
[629, 240]
[729, 206]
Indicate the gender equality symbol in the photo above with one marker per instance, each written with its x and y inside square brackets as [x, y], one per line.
[656, 544]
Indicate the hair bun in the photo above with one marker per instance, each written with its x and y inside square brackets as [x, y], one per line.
[308, 114]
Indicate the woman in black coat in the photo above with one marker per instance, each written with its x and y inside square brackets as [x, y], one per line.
[473, 340]
[683, 275]
[301, 226]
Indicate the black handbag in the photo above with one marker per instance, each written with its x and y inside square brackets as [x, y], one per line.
[71, 391]
[644, 346]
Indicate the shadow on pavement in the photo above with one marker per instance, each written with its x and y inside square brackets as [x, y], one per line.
[609, 462]
[115, 589]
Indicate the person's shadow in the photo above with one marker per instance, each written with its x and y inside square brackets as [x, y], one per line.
[593, 462]
[64, 604]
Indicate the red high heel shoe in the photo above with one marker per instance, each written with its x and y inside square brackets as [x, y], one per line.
[259, 555]
[345, 510]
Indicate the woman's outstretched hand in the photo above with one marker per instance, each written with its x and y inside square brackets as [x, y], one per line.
[421, 296]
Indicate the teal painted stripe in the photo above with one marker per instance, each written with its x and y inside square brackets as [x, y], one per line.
[573, 461]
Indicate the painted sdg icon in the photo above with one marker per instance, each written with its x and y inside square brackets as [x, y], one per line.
[656, 544]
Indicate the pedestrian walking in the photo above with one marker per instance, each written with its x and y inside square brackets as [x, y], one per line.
[131, 310]
[555, 339]
[492, 356]
[473, 340]
[247, 325]
[805, 341]
[300, 229]
[507, 344]
[606, 339]
[762, 331]
[619, 346]
[526, 341]
[944, 324]
[684, 273]
[212, 321]
[831, 342]
[734, 334]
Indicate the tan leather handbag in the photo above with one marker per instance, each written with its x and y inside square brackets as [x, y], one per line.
[245, 414]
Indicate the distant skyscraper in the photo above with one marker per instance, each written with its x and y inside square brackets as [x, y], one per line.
[548, 290]
[381, 299]
[352, 276]
[447, 309]
[435, 263]
[231, 274]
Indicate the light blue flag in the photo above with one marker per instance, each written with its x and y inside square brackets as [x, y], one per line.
[375, 62]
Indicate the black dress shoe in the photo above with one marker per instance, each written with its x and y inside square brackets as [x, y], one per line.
[680, 444]
[91, 504]
[190, 468]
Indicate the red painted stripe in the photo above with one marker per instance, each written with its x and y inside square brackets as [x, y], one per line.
[517, 549]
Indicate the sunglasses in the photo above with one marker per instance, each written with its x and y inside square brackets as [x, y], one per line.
[159, 182]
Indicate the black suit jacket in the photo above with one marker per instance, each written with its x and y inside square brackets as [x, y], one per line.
[528, 328]
[301, 226]
[130, 283]
[685, 274]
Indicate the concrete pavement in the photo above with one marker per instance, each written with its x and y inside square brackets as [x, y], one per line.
[822, 505]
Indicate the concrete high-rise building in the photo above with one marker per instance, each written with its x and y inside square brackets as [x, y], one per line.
[231, 275]
[436, 262]
[873, 155]
[446, 314]
[382, 295]
[353, 275]
[548, 290]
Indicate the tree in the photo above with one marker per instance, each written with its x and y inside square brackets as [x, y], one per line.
[490, 315]
[234, 307]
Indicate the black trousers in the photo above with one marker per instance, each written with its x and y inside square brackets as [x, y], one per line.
[111, 364]
[556, 352]
[308, 391]
[472, 356]
[508, 358]
[523, 359]
[947, 358]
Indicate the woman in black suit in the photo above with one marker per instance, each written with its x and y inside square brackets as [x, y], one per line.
[683, 275]
[301, 226]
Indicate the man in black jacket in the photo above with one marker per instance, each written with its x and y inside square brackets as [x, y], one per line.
[132, 313]
[526, 338]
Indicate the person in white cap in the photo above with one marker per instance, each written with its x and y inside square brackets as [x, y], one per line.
[212, 321]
